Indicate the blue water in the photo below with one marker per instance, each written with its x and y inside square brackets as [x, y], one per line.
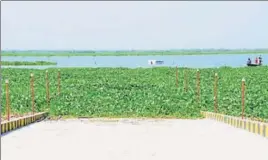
[192, 61]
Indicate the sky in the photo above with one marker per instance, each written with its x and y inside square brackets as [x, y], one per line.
[154, 25]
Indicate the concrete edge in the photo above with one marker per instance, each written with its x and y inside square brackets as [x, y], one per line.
[21, 122]
[256, 127]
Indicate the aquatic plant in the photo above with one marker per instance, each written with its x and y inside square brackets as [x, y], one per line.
[26, 63]
[151, 92]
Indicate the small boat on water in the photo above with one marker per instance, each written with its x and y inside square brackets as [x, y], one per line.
[258, 62]
[159, 62]
[253, 65]
[155, 62]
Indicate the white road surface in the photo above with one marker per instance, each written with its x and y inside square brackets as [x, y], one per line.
[133, 140]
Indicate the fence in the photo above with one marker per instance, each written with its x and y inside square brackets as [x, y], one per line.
[32, 92]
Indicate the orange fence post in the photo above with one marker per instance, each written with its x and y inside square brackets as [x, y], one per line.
[243, 97]
[58, 82]
[32, 91]
[7, 101]
[198, 86]
[216, 94]
[47, 89]
[185, 80]
[177, 78]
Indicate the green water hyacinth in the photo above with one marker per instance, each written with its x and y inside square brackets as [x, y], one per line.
[151, 92]
[26, 63]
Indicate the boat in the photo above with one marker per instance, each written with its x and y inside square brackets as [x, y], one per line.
[256, 62]
[155, 62]
[253, 65]
[159, 62]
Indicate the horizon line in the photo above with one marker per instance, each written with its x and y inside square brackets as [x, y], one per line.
[132, 50]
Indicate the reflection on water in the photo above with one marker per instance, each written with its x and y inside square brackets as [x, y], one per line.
[192, 61]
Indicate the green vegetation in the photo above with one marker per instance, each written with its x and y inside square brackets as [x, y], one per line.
[131, 53]
[121, 92]
[26, 63]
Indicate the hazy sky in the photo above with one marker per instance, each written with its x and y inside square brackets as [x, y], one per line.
[133, 25]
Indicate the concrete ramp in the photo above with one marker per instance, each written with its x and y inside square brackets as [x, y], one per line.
[130, 139]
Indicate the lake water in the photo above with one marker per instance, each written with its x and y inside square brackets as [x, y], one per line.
[192, 61]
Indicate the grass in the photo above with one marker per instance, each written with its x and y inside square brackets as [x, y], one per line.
[150, 92]
[130, 53]
[26, 63]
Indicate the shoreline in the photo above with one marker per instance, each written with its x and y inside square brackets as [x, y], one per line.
[164, 53]
[26, 63]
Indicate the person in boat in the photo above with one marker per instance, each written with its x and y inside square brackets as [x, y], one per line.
[260, 60]
[257, 60]
[249, 61]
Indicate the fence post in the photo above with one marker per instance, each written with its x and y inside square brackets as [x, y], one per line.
[47, 89]
[7, 101]
[58, 82]
[215, 93]
[243, 97]
[198, 86]
[177, 78]
[185, 80]
[32, 91]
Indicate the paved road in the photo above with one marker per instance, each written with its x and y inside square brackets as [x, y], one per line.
[133, 140]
